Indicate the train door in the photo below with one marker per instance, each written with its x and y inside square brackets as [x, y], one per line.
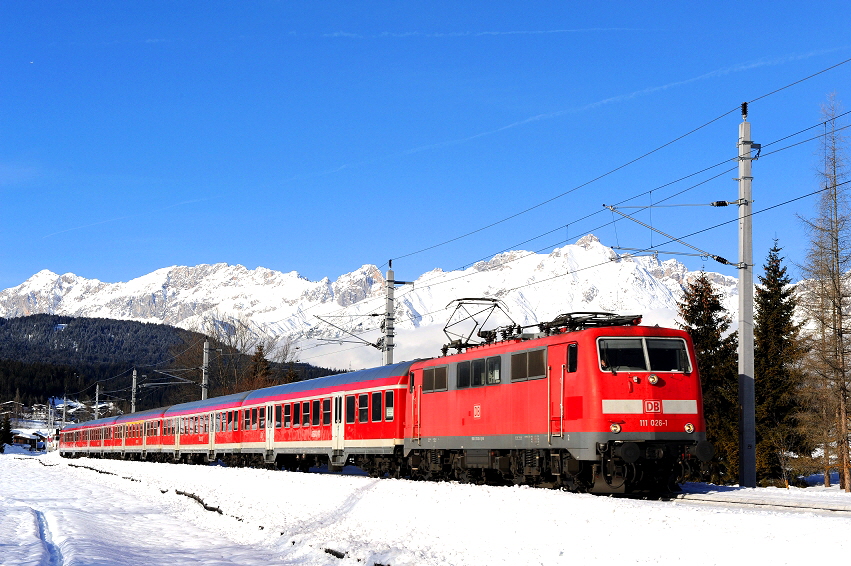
[270, 428]
[556, 369]
[211, 434]
[338, 427]
[416, 391]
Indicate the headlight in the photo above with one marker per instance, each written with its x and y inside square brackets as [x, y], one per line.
[615, 428]
[653, 379]
[689, 428]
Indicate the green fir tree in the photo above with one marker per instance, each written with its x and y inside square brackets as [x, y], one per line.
[707, 321]
[777, 357]
[5, 432]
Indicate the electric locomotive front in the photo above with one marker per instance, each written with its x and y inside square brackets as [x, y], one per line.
[590, 402]
[636, 412]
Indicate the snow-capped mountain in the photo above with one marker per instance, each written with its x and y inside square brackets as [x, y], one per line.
[585, 276]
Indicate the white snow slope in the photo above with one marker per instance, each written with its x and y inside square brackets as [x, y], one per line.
[52, 513]
[586, 276]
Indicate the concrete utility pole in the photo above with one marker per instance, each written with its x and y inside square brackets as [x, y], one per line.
[133, 394]
[205, 375]
[97, 399]
[747, 405]
[389, 316]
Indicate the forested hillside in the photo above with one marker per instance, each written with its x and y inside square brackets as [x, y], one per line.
[48, 355]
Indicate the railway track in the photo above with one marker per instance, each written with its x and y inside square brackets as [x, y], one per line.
[756, 502]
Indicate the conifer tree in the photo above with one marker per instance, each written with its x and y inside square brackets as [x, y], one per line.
[778, 376]
[5, 431]
[707, 321]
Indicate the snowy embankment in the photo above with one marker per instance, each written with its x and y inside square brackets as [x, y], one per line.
[52, 511]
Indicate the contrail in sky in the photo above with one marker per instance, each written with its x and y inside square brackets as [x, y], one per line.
[467, 33]
[129, 216]
[590, 106]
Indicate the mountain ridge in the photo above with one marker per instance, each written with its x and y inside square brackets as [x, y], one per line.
[584, 276]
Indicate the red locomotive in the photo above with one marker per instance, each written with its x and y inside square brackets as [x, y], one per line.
[592, 402]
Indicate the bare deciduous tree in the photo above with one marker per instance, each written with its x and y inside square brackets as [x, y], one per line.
[827, 294]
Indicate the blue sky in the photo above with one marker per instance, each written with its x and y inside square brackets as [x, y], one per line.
[318, 137]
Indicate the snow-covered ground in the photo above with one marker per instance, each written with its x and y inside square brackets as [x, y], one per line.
[53, 513]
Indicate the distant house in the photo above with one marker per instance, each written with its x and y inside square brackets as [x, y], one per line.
[34, 440]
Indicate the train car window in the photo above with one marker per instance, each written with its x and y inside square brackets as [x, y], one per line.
[428, 380]
[376, 407]
[667, 354]
[296, 414]
[254, 418]
[305, 413]
[363, 408]
[493, 375]
[478, 377]
[278, 411]
[326, 411]
[230, 421]
[350, 409]
[462, 375]
[518, 366]
[246, 425]
[288, 418]
[622, 354]
[388, 406]
[261, 418]
[572, 359]
[316, 414]
[411, 383]
[537, 364]
[440, 378]
[236, 420]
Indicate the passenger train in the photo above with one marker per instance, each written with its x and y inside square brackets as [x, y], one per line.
[590, 402]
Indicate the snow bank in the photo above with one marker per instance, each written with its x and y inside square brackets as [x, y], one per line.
[286, 517]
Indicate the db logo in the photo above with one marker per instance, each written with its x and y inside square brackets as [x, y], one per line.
[653, 406]
[477, 411]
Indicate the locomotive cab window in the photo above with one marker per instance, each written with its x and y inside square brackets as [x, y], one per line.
[667, 354]
[622, 354]
[643, 354]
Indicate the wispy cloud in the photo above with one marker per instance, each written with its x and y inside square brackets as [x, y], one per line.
[404, 34]
[119, 218]
[590, 106]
